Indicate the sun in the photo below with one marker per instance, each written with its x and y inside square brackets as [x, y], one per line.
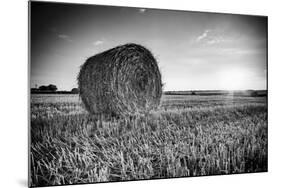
[234, 79]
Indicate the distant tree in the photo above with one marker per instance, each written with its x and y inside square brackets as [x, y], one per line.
[52, 87]
[33, 90]
[75, 91]
[49, 88]
[43, 88]
[254, 94]
[193, 93]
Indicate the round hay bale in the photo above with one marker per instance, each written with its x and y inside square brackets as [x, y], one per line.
[124, 80]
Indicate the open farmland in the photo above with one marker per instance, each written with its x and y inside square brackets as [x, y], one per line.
[189, 135]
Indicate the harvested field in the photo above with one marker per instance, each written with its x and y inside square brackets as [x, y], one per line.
[187, 136]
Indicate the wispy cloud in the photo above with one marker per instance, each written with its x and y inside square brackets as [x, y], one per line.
[98, 42]
[212, 37]
[60, 35]
[203, 35]
[142, 10]
[65, 37]
[214, 40]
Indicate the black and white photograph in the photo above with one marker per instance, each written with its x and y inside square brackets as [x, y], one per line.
[132, 93]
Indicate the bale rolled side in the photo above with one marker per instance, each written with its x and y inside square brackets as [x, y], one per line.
[121, 81]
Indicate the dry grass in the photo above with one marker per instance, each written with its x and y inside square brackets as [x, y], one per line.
[224, 136]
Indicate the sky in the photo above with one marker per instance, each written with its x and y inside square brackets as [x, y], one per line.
[194, 50]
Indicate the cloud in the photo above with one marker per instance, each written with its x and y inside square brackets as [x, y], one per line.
[142, 10]
[62, 36]
[65, 37]
[98, 42]
[203, 35]
[212, 37]
[214, 40]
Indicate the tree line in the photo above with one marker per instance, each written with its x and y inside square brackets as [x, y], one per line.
[53, 89]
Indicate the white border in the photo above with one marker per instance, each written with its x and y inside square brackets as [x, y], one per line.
[13, 131]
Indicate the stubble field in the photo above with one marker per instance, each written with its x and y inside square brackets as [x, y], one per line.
[189, 135]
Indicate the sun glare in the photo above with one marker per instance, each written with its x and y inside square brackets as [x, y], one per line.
[234, 79]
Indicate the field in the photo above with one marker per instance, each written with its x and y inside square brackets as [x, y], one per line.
[189, 135]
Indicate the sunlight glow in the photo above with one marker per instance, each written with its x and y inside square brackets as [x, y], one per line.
[234, 79]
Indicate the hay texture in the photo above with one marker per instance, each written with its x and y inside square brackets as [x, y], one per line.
[124, 80]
